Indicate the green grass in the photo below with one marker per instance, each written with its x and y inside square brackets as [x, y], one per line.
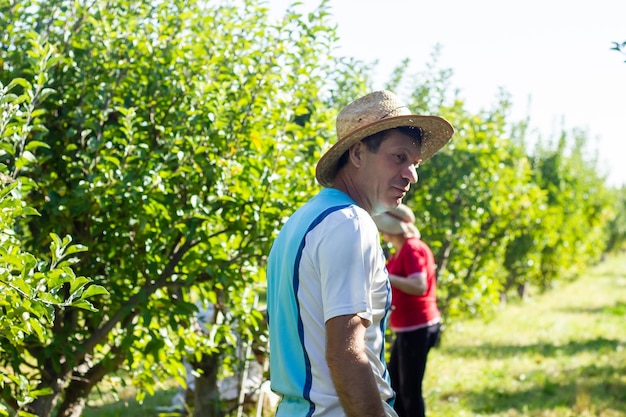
[127, 406]
[561, 353]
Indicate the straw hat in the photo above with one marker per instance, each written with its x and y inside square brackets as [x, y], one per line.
[373, 113]
[397, 221]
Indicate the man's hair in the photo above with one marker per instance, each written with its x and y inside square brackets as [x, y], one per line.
[373, 141]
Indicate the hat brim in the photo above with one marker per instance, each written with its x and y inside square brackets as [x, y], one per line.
[387, 224]
[436, 132]
[392, 226]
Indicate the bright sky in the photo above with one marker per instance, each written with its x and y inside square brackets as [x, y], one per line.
[552, 56]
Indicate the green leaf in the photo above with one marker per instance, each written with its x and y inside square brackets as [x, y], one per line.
[38, 328]
[94, 290]
[21, 285]
[75, 249]
[21, 82]
[84, 304]
[32, 145]
[23, 413]
[77, 284]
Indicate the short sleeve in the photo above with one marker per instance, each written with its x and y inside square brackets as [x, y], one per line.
[413, 258]
[345, 255]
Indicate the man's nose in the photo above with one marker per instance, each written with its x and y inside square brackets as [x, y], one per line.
[410, 174]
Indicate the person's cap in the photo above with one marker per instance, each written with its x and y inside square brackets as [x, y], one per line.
[373, 113]
[397, 221]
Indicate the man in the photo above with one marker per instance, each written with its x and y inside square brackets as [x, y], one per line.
[328, 291]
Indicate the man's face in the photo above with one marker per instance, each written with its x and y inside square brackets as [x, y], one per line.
[385, 176]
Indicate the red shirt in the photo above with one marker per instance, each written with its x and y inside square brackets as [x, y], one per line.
[410, 312]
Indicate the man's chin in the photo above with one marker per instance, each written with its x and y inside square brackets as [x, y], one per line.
[397, 201]
[388, 206]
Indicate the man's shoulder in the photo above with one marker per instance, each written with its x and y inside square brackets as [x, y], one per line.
[328, 201]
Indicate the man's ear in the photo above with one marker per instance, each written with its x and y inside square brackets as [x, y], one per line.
[355, 154]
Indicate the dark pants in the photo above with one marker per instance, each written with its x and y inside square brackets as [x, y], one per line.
[406, 368]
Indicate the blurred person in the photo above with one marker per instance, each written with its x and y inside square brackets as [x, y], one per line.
[415, 318]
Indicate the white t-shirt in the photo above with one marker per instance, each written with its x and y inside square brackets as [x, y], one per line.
[326, 262]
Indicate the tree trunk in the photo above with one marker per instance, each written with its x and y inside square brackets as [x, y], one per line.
[83, 382]
[43, 406]
[522, 290]
[74, 408]
[206, 396]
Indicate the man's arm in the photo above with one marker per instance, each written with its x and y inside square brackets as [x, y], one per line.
[349, 367]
